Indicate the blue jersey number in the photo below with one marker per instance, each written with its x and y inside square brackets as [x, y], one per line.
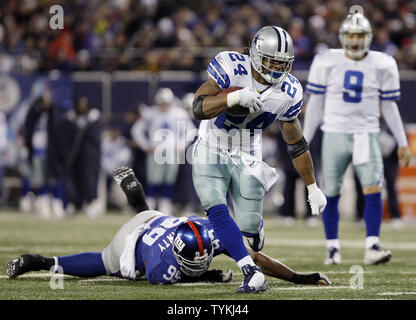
[288, 88]
[228, 122]
[353, 81]
[240, 68]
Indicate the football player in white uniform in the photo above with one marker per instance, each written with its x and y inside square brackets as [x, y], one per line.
[227, 153]
[162, 126]
[353, 83]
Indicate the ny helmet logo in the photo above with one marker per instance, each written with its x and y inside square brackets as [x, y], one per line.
[179, 244]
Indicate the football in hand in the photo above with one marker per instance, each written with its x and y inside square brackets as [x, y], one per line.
[235, 110]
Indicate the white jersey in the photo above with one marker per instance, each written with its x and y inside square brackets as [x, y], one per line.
[282, 101]
[353, 89]
[156, 126]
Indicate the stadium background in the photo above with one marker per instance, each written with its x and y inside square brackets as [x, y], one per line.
[119, 52]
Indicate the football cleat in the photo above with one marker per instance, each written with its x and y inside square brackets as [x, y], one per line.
[121, 173]
[23, 264]
[132, 188]
[334, 256]
[376, 255]
[254, 280]
[256, 242]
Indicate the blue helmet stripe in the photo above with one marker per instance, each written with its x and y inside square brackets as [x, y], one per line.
[279, 47]
[286, 44]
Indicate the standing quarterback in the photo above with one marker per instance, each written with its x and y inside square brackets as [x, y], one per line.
[227, 153]
[352, 83]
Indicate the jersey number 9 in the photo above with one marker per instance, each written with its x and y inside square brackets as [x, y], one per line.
[353, 82]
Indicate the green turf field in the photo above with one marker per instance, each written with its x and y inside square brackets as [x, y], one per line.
[299, 247]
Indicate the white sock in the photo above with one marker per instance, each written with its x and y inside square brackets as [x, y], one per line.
[332, 243]
[370, 241]
[246, 260]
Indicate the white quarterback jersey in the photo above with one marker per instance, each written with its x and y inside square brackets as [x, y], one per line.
[353, 89]
[281, 101]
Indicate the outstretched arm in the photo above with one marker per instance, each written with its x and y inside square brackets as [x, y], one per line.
[276, 269]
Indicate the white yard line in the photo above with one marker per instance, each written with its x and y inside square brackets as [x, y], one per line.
[317, 287]
[396, 293]
[33, 275]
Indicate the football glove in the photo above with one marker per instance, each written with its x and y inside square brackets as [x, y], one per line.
[311, 278]
[247, 98]
[214, 275]
[316, 199]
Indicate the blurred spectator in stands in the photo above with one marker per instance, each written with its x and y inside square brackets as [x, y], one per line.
[383, 43]
[107, 28]
[83, 61]
[161, 133]
[81, 135]
[301, 43]
[6, 61]
[45, 156]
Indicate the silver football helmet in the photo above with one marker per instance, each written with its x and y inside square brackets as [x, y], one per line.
[164, 96]
[272, 45]
[355, 23]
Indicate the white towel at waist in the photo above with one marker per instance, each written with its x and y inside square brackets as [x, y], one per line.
[361, 150]
[260, 170]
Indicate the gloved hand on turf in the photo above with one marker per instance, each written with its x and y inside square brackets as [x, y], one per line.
[316, 199]
[247, 98]
[311, 278]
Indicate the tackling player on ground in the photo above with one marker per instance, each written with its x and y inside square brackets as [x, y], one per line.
[353, 83]
[267, 91]
[163, 248]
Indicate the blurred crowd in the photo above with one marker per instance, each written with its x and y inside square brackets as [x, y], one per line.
[183, 34]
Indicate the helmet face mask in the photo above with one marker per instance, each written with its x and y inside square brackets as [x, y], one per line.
[192, 248]
[355, 35]
[275, 69]
[272, 54]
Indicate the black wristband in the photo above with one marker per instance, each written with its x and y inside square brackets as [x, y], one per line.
[197, 107]
[295, 150]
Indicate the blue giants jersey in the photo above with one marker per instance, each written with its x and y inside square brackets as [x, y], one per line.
[154, 255]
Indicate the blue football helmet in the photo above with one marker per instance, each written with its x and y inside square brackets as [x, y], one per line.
[192, 248]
